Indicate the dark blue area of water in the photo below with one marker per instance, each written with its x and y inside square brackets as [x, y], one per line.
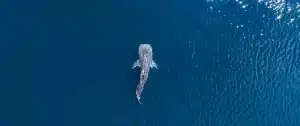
[69, 63]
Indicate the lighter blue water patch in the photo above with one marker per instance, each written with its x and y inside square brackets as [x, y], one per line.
[265, 62]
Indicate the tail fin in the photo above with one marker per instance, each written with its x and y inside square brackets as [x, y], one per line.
[140, 101]
[138, 97]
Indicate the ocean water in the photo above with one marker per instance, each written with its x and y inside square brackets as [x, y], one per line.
[220, 63]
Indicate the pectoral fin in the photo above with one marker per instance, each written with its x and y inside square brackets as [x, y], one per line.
[136, 64]
[153, 65]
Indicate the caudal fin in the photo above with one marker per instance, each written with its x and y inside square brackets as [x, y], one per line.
[140, 101]
[138, 97]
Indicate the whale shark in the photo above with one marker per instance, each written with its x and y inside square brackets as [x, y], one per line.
[145, 62]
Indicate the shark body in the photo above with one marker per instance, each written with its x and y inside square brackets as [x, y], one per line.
[145, 62]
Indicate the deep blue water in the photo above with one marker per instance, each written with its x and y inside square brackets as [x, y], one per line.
[69, 63]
